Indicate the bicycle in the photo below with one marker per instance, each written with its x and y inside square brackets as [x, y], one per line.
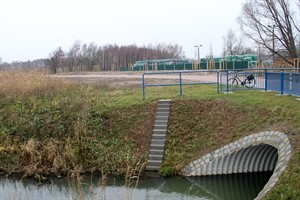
[249, 82]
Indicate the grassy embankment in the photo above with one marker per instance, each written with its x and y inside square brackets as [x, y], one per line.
[52, 127]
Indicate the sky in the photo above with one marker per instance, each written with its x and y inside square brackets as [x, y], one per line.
[32, 29]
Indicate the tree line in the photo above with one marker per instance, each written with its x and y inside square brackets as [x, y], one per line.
[91, 57]
[28, 65]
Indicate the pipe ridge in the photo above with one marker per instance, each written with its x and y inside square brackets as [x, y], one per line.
[258, 160]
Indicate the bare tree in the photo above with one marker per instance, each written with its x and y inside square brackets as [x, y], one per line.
[271, 24]
[229, 42]
[232, 44]
[74, 56]
[90, 55]
[56, 59]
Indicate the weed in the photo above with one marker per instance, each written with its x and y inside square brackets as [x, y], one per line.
[167, 171]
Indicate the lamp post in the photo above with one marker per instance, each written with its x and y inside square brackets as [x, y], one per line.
[198, 48]
[273, 40]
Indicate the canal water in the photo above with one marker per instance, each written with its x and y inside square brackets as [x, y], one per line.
[225, 187]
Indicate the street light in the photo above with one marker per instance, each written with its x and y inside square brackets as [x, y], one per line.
[198, 47]
[273, 40]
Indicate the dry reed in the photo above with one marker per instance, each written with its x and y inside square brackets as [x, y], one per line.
[24, 84]
[51, 157]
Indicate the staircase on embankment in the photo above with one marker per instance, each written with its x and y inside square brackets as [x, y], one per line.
[159, 133]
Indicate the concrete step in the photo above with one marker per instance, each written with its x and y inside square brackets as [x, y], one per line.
[153, 168]
[165, 118]
[156, 152]
[163, 109]
[155, 157]
[159, 136]
[162, 113]
[158, 141]
[160, 126]
[157, 147]
[168, 106]
[161, 122]
[154, 162]
[164, 101]
[159, 131]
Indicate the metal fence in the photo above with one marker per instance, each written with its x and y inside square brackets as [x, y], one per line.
[283, 81]
[231, 80]
[178, 78]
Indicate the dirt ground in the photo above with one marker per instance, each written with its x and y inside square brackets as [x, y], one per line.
[134, 79]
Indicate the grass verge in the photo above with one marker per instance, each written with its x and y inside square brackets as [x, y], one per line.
[52, 127]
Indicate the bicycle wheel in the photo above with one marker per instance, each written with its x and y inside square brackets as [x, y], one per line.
[232, 83]
[250, 83]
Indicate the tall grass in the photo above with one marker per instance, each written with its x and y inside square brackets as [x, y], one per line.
[16, 84]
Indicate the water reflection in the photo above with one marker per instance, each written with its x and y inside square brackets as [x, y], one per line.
[235, 186]
[243, 186]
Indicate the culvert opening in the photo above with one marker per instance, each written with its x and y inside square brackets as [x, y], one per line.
[264, 152]
[255, 158]
[250, 159]
[241, 174]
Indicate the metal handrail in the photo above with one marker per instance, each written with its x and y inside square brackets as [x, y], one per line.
[264, 72]
[180, 73]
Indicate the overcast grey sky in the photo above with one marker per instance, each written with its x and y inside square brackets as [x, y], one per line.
[31, 29]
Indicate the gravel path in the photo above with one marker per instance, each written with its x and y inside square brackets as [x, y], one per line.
[134, 79]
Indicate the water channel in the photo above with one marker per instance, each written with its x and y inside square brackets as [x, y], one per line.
[226, 187]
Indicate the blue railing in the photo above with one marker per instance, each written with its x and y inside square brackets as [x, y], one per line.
[288, 83]
[231, 80]
[283, 81]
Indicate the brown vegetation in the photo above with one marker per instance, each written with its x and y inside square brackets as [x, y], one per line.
[14, 84]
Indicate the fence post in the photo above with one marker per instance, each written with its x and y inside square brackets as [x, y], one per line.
[180, 83]
[291, 82]
[227, 86]
[143, 86]
[266, 80]
[281, 82]
[218, 81]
